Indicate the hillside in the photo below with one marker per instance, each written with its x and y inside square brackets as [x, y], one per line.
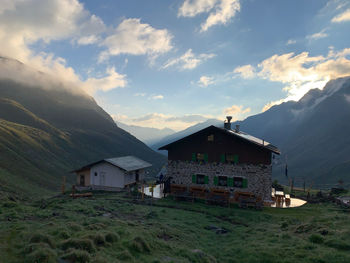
[118, 227]
[45, 132]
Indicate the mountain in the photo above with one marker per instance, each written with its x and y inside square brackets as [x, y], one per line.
[47, 130]
[145, 134]
[312, 133]
[178, 135]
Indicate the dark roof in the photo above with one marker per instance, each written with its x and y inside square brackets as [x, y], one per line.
[241, 135]
[127, 163]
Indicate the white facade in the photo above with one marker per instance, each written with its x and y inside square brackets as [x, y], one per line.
[108, 175]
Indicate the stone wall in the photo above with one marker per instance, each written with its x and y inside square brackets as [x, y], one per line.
[258, 176]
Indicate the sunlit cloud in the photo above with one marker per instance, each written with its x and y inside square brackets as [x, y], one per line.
[156, 97]
[220, 11]
[246, 71]
[135, 38]
[160, 120]
[343, 17]
[188, 61]
[236, 111]
[205, 81]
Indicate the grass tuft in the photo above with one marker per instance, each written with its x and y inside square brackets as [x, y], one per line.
[338, 244]
[42, 255]
[139, 245]
[42, 238]
[77, 256]
[315, 238]
[78, 243]
[111, 237]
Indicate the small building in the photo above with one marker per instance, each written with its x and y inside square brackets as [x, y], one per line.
[222, 158]
[111, 174]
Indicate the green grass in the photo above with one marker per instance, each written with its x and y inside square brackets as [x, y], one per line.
[111, 227]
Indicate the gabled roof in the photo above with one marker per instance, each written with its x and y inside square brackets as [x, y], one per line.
[126, 163]
[240, 135]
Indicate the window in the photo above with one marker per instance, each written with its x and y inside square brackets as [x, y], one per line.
[211, 138]
[240, 182]
[200, 157]
[200, 179]
[229, 158]
[222, 181]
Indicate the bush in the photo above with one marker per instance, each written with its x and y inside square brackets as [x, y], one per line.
[111, 237]
[41, 255]
[338, 244]
[74, 227]
[96, 226]
[125, 256]
[79, 243]
[139, 245]
[77, 256]
[42, 238]
[97, 238]
[315, 238]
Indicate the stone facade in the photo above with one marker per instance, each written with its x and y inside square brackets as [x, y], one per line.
[258, 176]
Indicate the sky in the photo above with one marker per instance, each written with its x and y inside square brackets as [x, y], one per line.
[174, 63]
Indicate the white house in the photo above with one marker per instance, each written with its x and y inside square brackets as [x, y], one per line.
[111, 174]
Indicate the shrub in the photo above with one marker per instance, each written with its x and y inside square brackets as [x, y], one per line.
[42, 238]
[97, 238]
[139, 245]
[315, 238]
[111, 237]
[125, 256]
[42, 255]
[96, 226]
[338, 244]
[74, 227]
[78, 243]
[77, 256]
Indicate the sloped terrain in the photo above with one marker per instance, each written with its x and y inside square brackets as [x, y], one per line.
[46, 132]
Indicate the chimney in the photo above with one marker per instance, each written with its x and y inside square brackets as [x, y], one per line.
[237, 128]
[227, 123]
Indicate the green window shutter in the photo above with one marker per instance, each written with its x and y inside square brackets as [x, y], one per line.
[229, 181]
[206, 157]
[194, 158]
[245, 183]
[235, 158]
[216, 180]
[194, 178]
[222, 158]
[206, 179]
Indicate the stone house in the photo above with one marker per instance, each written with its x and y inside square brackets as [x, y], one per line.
[111, 174]
[222, 158]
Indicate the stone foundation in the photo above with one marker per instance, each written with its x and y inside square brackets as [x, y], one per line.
[258, 176]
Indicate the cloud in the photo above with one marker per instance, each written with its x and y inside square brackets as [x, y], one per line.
[291, 42]
[88, 40]
[343, 17]
[205, 81]
[24, 23]
[160, 120]
[133, 37]
[111, 81]
[318, 35]
[347, 97]
[220, 11]
[140, 94]
[302, 72]
[188, 60]
[246, 71]
[156, 97]
[235, 111]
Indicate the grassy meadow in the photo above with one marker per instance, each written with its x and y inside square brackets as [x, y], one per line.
[117, 227]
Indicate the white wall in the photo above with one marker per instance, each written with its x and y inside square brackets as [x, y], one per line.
[107, 175]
